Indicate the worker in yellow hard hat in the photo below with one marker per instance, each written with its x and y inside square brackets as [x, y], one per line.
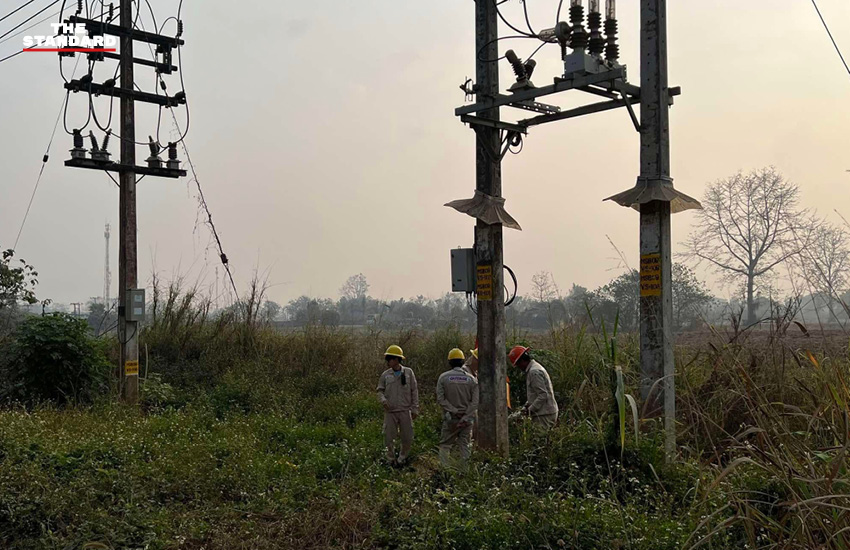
[399, 394]
[457, 394]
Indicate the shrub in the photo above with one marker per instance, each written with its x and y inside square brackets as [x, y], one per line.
[54, 358]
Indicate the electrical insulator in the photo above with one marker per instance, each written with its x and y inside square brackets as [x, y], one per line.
[578, 38]
[173, 163]
[79, 7]
[179, 28]
[529, 67]
[99, 153]
[109, 83]
[111, 11]
[596, 43]
[154, 161]
[79, 151]
[94, 146]
[612, 50]
[516, 64]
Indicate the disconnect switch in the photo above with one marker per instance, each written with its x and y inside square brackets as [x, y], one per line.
[463, 270]
[136, 304]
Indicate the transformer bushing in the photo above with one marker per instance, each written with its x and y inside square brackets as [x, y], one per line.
[100, 154]
[597, 43]
[612, 50]
[578, 38]
[79, 151]
[153, 161]
[172, 163]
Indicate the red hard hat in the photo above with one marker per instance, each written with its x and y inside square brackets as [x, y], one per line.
[515, 353]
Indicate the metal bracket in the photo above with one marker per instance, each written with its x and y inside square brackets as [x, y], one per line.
[116, 167]
[116, 91]
[560, 85]
[99, 27]
[530, 105]
[498, 124]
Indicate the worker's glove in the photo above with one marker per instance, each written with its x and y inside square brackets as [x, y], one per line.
[413, 415]
[386, 405]
[448, 416]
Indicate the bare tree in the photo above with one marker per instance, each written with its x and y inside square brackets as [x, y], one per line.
[543, 287]
[355, 287]
[749, 224]
[825, 264]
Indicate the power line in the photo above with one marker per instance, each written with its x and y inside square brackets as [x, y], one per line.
[825, 26]
[43, 163]
[22, 31]
[11, 56]
[30, 18]
[13, 12]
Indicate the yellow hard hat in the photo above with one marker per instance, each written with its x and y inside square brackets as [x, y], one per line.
[456, 354]
[474, 352]
[395, 351]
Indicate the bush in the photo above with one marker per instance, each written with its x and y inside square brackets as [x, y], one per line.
[54, 358]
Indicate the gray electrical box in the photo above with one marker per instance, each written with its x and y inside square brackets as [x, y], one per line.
[135, 305]
[463, 270]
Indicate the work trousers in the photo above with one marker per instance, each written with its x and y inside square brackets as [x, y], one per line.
[453, 436]
[395, 422]
[545, 420]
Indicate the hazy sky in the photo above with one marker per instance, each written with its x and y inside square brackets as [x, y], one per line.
[324, 137]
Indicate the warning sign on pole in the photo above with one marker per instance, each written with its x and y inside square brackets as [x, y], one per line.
[131, 368]
[650, 275]
[484, 283]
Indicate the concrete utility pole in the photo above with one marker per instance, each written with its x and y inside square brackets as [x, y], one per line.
[656, 300]
[107, 272]
[128, 331]
[493, 417]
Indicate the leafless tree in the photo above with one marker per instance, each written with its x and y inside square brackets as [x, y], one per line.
[749, 224]
[355, 287]
[543, 287]
[825, 264]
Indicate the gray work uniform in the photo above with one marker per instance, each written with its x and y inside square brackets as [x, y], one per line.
[399, 401]
[457, 394]
[541, 404]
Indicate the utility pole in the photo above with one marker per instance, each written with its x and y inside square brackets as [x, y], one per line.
[107, 273]
[131, 303]
[493, 417]
[128, 331]
[656, 304]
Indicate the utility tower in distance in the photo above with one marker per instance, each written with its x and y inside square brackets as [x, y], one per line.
[107, 274]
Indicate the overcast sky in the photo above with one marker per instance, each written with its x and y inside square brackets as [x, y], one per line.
[324, 137]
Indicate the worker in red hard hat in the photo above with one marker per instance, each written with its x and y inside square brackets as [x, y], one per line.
[540, 397]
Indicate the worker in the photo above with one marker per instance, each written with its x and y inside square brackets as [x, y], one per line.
[540, 397]
[399, 394]
[457, 394]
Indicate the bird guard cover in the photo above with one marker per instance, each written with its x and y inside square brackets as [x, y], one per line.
[655, 190]
[488, 209]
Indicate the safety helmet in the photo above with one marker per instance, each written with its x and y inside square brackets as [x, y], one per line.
[515, 353]
[395, 351]
[456, 354]
[474, 352]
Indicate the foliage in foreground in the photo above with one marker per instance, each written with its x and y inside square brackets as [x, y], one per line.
[251, 438]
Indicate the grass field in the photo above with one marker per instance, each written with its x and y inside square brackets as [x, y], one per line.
[252, 438]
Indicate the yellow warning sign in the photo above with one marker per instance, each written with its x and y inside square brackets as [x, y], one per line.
[650, 275]
[484, 283]
[131, 368]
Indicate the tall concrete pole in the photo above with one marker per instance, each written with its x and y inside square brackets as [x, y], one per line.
[656, 300]
[128, 331]
[493, 413]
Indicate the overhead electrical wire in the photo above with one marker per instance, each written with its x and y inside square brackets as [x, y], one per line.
[30, 18]
[44, 160]
[834, 44]
[22, 31]
[16, 10]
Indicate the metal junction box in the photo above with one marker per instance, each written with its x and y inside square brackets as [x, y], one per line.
[135, 305]
[463, 270]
